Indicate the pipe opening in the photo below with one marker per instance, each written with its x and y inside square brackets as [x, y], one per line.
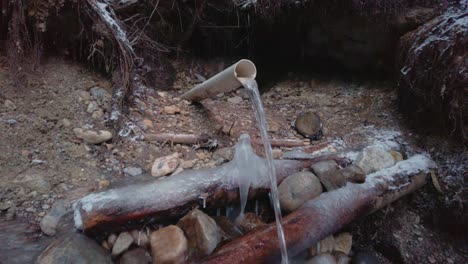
[245, 69]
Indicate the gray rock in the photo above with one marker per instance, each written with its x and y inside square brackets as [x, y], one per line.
[74, 248]
[324, 167]
[9, 104]
[235, 99]
[298, 188]
[169, 245]
[324, 258]
[136, 256]
[133, 171]
[11, 121]
[374, 158]
[202, 232]
[50, 221]
[123, 242]
[34, 180]
[100, 94]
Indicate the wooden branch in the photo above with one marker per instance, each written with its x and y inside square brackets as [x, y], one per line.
[169, 198]
[287, 143]
[327, 214]
[177, 138]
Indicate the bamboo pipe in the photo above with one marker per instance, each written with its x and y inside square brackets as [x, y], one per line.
[223, 82]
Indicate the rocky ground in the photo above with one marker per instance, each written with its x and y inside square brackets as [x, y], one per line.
[56, 146]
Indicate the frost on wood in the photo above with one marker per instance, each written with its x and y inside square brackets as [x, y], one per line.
[326, 214]
[174, 196]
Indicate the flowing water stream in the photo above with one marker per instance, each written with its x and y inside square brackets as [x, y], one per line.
[252, 89]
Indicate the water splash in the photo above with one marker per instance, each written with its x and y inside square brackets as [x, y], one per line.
[252, 89]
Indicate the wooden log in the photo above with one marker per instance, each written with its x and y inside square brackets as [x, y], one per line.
[326, 214]
[178, 138]
[171, 197]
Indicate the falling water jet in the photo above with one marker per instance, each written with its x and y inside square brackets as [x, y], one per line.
[251, 86]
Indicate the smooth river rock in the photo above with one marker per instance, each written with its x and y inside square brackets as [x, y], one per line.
[374, 158]
[169, 245]
[298, 188]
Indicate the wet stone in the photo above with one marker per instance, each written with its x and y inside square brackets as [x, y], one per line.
[353, 173]
[329, 175]
[50, 221]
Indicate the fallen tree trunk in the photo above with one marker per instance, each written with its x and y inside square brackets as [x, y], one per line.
[169, 198]
[326, 214]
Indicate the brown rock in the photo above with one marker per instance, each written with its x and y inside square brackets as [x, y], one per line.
[165, 165]
[343, 243]
[329, 175]
[229, 230]
[93, 137]
[171, 110]
[297, 189]
[169, 245]
[202, 232]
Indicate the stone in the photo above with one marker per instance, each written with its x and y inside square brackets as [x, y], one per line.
[165, 165]
[277, 153]
[92, 106]
[353, 173]
[250, 222]
[11, 121]
[147, 123]
[186, 164]
[135, 256]
[225, 154]
[34, 180]
[327, 245]
[123, 242]
[50, 221]
[133, 171]
[100, 94]
[11, 213]
[171, 110]
[169, 245]
[74, 248]
[235, 100]
[84, 95]
[66, 123]
[396, 156]
[9, 104]
[111, 239]
[364, 258]
[98, 114]
[229, 229]
[324, 258]
[342, 258]
[103, 184]
[94, 137]
[324, 167]
[140, 238]
[298, 188]
[202, 232]
[374, 158]
[343, 243]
